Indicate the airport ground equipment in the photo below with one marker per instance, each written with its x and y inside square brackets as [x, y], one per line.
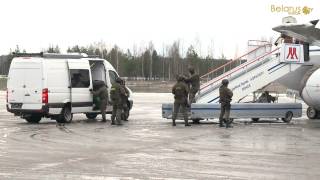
[250, 72]
[254, 111]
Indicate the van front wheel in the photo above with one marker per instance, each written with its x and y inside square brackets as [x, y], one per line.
[91, 115]
[65, 116]
[33, 119]
[255, 119]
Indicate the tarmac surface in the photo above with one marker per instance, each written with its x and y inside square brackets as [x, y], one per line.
[148, 147]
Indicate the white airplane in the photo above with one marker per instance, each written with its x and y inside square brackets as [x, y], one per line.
[305, 80]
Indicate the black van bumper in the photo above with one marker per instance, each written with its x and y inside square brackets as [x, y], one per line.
[18, 112]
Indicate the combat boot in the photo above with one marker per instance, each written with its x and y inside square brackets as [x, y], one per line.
[112, 121]
[186, 123]
[119, 123]
[228, 123]
[173, 122]
[221, 123]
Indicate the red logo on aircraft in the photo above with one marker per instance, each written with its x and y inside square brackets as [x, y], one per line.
[292, 53]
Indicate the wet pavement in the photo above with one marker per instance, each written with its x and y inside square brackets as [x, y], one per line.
[148, 147]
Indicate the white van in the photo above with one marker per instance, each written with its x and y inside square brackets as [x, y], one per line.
[56, 85]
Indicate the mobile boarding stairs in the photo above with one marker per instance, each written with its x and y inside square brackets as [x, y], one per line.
[257, 68]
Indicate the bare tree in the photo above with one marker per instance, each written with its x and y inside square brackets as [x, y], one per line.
[236, 54]
[174, 54]
[151, 49]
[211, 53]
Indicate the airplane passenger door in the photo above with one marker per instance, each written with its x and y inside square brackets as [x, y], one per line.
[80, 84]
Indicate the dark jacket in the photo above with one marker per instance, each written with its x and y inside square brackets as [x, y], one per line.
[102, 92]
[116, 93]
[194, 81]
[180, 91]
[266, 98]
[126, 95]
[225, 94]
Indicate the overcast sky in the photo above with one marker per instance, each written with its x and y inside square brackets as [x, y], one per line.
[224, 24]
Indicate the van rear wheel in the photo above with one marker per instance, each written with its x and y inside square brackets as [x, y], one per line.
[33, 119]
[65, 116]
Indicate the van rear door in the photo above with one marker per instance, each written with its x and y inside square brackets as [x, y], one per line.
[15, 85]
[25, 83]
[80, 84]
[33, 86]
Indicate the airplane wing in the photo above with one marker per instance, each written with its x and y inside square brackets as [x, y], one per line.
[309, 32]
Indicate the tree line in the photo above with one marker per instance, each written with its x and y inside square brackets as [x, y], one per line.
[147, 63]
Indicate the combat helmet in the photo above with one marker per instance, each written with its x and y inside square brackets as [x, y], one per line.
[191, 69]
[225, 82]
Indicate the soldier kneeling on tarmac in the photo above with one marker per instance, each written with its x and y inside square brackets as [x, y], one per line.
[180, 91]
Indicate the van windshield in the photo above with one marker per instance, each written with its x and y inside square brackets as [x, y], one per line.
[113, 76]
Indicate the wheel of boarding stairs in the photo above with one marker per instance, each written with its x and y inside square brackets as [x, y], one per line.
[312, 113]
[288, 117]
[255, 119]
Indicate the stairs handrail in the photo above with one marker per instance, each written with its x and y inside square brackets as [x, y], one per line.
[237, 68]
[236, 59]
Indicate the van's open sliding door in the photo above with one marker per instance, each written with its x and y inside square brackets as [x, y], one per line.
[80, 84]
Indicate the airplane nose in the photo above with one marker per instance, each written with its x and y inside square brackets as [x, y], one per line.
[279, 29]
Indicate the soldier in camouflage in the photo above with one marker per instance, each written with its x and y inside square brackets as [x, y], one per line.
[194, 84]
[116, 93]
[125, 101]
[102, 93]
[225, 99]
[180, 91]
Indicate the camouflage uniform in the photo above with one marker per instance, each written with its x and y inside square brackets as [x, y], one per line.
[102, 93]
[225, 99]
[180, 91]
[125, 102]
[116, 93]
[266, 98]
[194, 82]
